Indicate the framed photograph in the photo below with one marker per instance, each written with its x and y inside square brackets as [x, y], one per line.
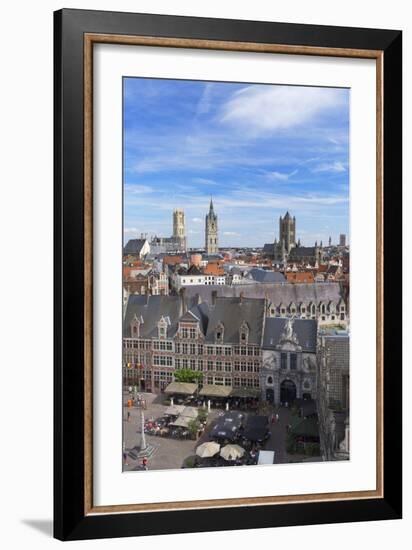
[227, 316]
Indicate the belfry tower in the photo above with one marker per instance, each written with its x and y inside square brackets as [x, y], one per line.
[179, 232]
[211, 237]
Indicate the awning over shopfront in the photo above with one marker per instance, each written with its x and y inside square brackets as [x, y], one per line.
[174, 410]
[245, 392]
[181, 388]
[211, 390]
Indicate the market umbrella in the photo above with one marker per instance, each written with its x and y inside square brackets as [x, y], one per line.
[208, 449]
[232, 452]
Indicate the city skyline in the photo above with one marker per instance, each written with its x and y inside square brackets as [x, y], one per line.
[259, 150]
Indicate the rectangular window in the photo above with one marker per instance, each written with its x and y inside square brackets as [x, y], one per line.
[184, 363]
[193, 364]
[177, 347]
[192, 349]
[218, 380]
[237, 365]
[218, 350]
[200, 365]
[209, 350]
[228, 351]
[283, 361]
[184, 332]
[218, 365]
[200, 349]
[192, 333]
[228, 367]
[184, 349]
[210, 365]
[242, 350]
[293, 361]
[228, 381]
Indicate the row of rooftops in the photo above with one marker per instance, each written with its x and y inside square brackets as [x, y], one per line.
[227, 316]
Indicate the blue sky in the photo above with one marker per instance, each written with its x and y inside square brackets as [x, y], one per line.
[258, 149]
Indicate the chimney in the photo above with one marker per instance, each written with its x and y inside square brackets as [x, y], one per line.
[214, 296]
[183, 306]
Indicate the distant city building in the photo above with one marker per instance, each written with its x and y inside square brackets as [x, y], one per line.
[286, 249]
[137, 247]
[342, 239]
[177, 242]
[211, 231]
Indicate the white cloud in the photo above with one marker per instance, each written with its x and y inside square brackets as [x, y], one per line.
[130, 230]
[231, 233]
[197, 220]
[336, 166]
[281, 176]
[262, 109]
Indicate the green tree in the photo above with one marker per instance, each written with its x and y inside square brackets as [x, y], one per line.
[188, 375]
[193, 427]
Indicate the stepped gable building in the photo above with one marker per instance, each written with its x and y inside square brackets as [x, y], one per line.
[289, 360]
[321, 301]
[222, 340]
[211, 231]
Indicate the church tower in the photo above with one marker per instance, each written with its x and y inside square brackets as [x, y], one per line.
[179, 232]
[287, 231]
[211, 237]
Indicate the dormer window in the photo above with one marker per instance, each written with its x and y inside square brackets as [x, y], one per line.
[219, 332]
[135, 327]
[162, 328]
[244, 333]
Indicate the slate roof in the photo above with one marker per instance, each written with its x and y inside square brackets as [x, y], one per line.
[269, 249]
[263, 276]
[232, 312]
[277, 293]
[151, 309]
[134, 246]
[305, 330]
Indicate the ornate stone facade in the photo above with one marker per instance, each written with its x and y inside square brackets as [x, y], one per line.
[288, 361]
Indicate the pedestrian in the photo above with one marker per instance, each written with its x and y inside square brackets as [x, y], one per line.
[272, 419]
[125, 459]
[128, 416]
[277, 417]
[144, 463]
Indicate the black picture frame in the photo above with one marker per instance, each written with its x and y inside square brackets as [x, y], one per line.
[70, 520]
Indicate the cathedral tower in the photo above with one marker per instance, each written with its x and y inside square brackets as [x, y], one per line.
[211, 237]
[179, 232]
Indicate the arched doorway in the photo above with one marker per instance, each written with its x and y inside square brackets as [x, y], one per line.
[287, 391]
[270, 395]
